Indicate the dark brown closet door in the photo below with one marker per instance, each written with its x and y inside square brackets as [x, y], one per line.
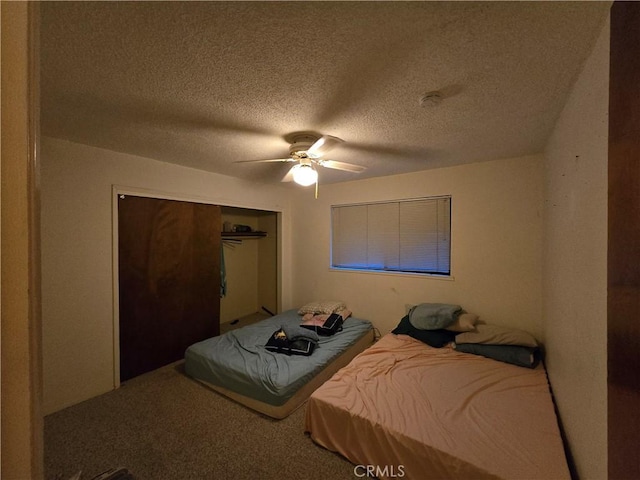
[624, 243]
[169, 280]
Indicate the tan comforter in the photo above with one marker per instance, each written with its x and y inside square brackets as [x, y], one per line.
[404, 407]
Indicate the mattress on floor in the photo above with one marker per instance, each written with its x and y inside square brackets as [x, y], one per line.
[239, 362]
[438, 413]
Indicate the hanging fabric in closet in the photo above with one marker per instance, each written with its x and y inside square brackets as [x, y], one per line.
[223, 273]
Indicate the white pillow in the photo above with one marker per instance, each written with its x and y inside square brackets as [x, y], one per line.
[466, 322]
[495, 335]
[323, 307]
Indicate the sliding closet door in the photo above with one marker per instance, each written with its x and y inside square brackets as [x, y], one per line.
[624, 243]
[169, 280]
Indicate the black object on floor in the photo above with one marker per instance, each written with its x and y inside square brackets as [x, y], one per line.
[119, 473]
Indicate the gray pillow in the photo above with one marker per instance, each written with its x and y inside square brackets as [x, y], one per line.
[514, 354]
[434, 316]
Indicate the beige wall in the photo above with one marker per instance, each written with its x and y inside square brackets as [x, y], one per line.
[77, 247]
[496, 244]
[268, 263]
[21, 433]
[251, 266]
[241, 261]
[496, 249]
[575, 263]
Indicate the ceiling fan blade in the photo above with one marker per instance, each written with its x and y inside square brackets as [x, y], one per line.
[347, 167]
[267, 160]
[323, 145]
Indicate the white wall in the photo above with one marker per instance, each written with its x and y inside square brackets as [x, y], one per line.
[268, 264]
[575, 263]
[77, 288]
[241, 262]
[496, 244]
[251, 266]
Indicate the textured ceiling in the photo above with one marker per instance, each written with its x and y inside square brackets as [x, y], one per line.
[207, 84]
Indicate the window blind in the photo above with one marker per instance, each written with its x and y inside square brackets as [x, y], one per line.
[403, 236]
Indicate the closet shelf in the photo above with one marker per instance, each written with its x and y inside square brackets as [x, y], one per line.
[243, 234]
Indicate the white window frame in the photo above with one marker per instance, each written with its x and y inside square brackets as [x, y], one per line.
[442, 226]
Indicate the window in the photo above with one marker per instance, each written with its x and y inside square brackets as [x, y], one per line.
[412, 236]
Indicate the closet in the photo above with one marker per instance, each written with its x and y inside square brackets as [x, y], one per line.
[180, 276]
[623, 328]
[168, 280]
[250, 266]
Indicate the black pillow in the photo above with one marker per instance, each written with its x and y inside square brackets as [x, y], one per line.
[434, 338]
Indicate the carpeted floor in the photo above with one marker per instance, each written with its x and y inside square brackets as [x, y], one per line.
[242, 321]
[165, 426]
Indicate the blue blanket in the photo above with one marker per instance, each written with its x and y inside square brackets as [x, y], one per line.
[239, 361]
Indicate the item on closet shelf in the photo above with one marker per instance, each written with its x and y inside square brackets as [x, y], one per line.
[227, 227]
[242, 228]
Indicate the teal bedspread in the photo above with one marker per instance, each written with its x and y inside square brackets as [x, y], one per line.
[239, 361]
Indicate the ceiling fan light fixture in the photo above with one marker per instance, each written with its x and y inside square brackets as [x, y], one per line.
[304, 175]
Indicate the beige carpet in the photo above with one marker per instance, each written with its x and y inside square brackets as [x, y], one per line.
[165, 426]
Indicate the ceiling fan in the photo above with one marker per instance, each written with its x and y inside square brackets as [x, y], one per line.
[306, 151]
